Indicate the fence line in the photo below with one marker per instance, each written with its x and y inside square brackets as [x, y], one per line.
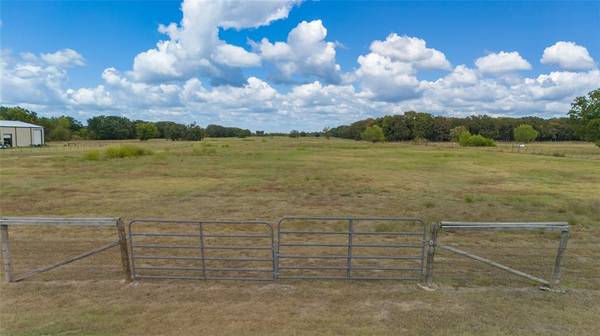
[231, 250]
[121, 241]
[561, 227]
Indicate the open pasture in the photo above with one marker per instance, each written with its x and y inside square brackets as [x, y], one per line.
[267, 178]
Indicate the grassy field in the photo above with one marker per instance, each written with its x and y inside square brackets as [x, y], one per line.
[267, 178]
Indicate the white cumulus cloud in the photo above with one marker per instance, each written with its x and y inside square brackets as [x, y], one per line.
[410, 50]
[306, 53]
[389, 71]
[502, 62]
[568, 56]
[194, 46]
[63, 58]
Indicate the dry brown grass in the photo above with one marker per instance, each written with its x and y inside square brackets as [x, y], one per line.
[269, 178]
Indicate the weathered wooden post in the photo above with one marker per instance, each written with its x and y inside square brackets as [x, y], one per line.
[562, 246]
[8, 276]
[432, 244]
[124, 249]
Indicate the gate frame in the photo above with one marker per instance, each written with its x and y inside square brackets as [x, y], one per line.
[349, 256]
[562, 227]
[5, 222]
[201, 247]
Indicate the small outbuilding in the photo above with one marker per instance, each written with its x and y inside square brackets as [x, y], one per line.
[20, 134]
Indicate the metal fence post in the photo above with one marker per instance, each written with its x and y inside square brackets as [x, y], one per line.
[6, 253]
[202, 253]
[562, 246]
[430, 254]
[349, 265]
[124, 249]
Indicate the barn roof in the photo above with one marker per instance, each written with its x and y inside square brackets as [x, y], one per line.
[14, 123]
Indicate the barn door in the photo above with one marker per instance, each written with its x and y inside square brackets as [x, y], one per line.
[37, 138]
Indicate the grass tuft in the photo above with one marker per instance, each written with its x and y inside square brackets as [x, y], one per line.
[204, 150]
[118, 152]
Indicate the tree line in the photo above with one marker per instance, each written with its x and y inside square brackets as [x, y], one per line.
[103, 127]
[418, 125]
[582, 123]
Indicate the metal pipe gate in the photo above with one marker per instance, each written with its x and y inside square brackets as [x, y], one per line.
[202, 250]
[367, 248]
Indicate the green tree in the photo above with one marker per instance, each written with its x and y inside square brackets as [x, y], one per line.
[457, 131]
[373, 133]
[18, 113]
[525, 133]
[194, 133]
[585, 114]
[145, 131]
[111, 128]
[60, 134]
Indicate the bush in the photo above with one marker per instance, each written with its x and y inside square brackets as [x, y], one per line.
[463, 137]
[93, 155]
[125, 151]
[116, 153]
[373, 133]
[525, 133]
[456, 132]
[468, 140]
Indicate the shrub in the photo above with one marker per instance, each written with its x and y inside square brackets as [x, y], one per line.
[525, 133]
[456, 132]
[468, 140]
[464, 137]
[116, 153]
[93, 155]
[373, 133]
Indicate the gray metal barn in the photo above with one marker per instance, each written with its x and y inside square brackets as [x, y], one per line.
[20, 134]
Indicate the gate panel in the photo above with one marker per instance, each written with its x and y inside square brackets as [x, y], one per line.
[202, 250]
[350, 248]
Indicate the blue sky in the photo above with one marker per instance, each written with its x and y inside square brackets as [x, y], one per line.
[301, 85]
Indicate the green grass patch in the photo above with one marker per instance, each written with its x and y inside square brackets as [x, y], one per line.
[117, 152]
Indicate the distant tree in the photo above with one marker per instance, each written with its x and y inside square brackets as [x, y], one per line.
[420, 124]
[218, 131]
[373, 133]
[457, 131]
[111, 128]
[194, 133]
[395, 128]
[294, 134]
[19, 114]
[441, 128]
[145, 131]
[525, 133]
[60, 134]
[585, 114]
[176, 131]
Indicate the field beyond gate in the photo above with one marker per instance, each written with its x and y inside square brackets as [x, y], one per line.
[268, 178]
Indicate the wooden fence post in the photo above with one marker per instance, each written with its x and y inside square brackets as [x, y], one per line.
[124, 249]
[562, 246]
[8, 276]
[430, 255]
